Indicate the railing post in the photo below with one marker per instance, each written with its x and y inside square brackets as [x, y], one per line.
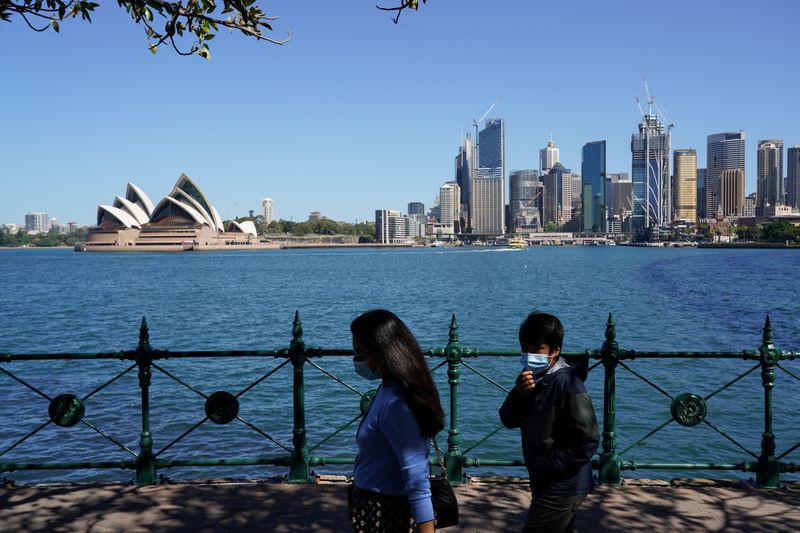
[452, 352]
[299, 470]
[768, 475]
[145, 463]
[609, 462]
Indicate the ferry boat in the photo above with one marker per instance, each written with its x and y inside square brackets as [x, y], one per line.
[517, 242]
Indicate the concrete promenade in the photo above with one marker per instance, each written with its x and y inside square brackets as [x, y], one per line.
[217, 507]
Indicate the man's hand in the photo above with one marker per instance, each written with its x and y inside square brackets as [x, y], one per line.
[525, 383]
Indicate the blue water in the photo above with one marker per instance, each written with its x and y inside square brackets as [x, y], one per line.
[661, 299]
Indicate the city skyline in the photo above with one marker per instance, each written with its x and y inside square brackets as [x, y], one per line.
[362, 85]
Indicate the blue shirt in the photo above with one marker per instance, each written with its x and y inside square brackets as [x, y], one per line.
[393, 454]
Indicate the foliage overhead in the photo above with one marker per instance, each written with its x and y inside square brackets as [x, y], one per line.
[186, 25]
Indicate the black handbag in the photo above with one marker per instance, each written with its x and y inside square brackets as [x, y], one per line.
[445, 504]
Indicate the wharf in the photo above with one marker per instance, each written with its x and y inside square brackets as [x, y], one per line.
[729, 506]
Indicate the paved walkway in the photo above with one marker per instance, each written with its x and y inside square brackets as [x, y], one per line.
[722, 506]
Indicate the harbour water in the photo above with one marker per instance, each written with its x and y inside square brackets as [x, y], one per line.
[661, 299]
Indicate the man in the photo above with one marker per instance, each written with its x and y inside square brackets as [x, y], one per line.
[550, 405]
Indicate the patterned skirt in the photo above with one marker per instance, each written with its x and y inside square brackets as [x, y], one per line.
[371, 512]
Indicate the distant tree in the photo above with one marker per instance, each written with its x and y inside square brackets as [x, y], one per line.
[781, 231]
[551, 227]
[173, 22]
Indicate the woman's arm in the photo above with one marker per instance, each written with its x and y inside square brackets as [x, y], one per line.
[411, 449]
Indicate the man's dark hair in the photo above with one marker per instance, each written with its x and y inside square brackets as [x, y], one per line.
[542, 328]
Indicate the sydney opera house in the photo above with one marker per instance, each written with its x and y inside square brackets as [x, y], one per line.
[182, 220]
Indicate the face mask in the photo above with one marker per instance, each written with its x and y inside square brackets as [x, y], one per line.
[538, 362]
[362, 369]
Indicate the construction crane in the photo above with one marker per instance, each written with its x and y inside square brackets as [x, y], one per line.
[475, 122]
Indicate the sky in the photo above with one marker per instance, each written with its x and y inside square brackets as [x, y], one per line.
[357, 113]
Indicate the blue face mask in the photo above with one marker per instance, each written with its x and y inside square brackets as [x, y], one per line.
[362, 369]
[537, 362]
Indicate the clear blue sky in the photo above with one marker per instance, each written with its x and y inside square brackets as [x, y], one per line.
[357, 114]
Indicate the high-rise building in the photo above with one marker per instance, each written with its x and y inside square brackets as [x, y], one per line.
[266, 210]
[487, 193]
[731, 192]
[619, 198]
[769, 174]
[449, 203]
[416, 209]
[701, 193]
[548, 157]
[652, 195]
[466, 165]
[684, 193]
[725, 151]
[593, 175]
[524, 199]
[37, 222]
[557, 196]
[793, 176]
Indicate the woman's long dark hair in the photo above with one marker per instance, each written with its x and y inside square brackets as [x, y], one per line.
[381, 331]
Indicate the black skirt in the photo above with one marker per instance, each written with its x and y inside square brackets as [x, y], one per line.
[371, 512]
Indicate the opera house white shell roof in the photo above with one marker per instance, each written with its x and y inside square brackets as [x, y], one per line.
[185, 204]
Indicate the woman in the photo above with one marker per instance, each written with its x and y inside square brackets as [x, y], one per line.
[391, 491]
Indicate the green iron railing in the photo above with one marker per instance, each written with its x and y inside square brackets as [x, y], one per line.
[222, 407]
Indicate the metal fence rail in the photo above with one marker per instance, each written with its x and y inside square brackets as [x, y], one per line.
[222, 407]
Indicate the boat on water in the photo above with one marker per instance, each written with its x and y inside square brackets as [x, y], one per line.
[437, 244]
[517, 242]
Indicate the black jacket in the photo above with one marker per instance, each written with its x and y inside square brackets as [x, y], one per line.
[559, 432]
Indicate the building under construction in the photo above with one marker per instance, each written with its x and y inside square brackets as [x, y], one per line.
[652, 192]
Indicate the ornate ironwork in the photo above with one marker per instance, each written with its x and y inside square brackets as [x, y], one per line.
[688, 409]
[222, 407]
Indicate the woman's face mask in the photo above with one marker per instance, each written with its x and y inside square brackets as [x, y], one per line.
[362, 369]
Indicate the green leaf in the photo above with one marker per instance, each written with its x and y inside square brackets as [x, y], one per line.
[55, 26]
[153, 48]
[204, 53]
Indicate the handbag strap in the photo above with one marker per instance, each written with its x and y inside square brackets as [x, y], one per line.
[439, 456]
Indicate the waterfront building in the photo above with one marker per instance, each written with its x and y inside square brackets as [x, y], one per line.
[267, 206]
[652, 195]
[593, 174]
[449, 204]
[769, 174]
[391, 227]
[701, 193]
[466, 164]
[37, 222]
[524, 199]
[315, 216]
[416, 209]
[725, 151]
[731, 192]
[548, 157]
[793, 177]
[487, 192]
[184, 217]
[557, 196]
[685, 184]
